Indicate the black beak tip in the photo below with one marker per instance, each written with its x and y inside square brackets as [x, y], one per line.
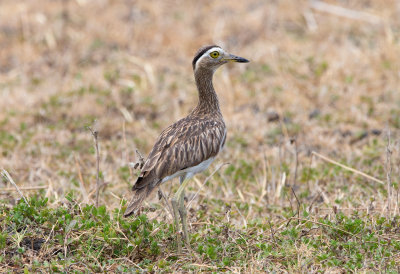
[242, 60]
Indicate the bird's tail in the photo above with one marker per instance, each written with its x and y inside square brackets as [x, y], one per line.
[137, 200]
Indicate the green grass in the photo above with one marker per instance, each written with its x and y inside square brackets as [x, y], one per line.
[82, 238]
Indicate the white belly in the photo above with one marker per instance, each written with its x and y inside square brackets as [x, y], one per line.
[191, 171]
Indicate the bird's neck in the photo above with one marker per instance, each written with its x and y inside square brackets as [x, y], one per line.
[208, 99]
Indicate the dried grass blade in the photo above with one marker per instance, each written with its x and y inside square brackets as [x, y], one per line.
[348, 168]
[8, 177]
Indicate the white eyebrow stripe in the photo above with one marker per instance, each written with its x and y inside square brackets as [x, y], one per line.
[206, 54]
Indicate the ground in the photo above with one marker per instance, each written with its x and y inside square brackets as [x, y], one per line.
[308, 180]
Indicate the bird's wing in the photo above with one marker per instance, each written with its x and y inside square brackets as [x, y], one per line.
[184, 144]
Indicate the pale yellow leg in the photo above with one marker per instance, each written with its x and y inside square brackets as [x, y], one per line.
[178, 207]
[180, 196]
[181, 188]
[183, 214]
[174, 203]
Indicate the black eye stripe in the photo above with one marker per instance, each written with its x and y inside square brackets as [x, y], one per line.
[200, 53]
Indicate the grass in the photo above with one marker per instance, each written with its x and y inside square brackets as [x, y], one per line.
[125, 70]
[82, 238]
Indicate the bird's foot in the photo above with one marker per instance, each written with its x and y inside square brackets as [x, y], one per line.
[183, 214]
[174, 203]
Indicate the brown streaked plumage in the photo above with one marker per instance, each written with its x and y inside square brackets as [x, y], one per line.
[189, 145]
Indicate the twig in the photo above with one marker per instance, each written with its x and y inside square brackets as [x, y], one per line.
[96, 143]
[389, 171]
[131, 262]
[241, 215]
[205, 181]
[8, 177]
[119, 229]
[264, 185]
[323, 195]
[280, 185]
[272, 232]
[309, 170]
[100, 187]
[48, 237]
[314, 200]
[397, 200]
[77, 263]
[24, 188]
[81, 182]
[348, 168]
[296, 160]
[344, 12]
[298, 206]
[298, 202]
[204, 266]
[291, 205]
[332, 227]
[169, 209]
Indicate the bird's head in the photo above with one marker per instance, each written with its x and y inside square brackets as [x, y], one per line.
[212, 57]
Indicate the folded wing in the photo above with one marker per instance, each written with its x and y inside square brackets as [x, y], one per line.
[185, 144]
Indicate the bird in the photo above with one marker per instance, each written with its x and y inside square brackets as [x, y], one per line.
[191, 144]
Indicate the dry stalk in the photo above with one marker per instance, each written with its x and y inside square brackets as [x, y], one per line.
[81, 182]
[280, 185]
[348, 168]
[389, 171]
[309, 170]
[96, 144]
[319, 194]
[298, 206]
[119, 229]
[241, 215]
[161, 193]
[296, 160]
[265, 178]
[397, 201]
[345, 12]
[298, 202]
[205, 181]
[322, 193]
[23, 188]
[272, 233]
[332, 227]
[8, 177]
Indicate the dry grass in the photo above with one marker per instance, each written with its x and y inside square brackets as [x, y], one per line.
[328, 82]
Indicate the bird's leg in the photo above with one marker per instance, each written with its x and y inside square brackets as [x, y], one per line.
[174, 203]
[177, 198]
[182, 211]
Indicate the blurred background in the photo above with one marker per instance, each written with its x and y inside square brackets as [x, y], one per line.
[324, 76]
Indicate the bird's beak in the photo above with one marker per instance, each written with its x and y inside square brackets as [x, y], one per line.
[234, 58]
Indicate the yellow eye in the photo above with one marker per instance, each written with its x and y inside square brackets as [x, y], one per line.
[214, 54]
